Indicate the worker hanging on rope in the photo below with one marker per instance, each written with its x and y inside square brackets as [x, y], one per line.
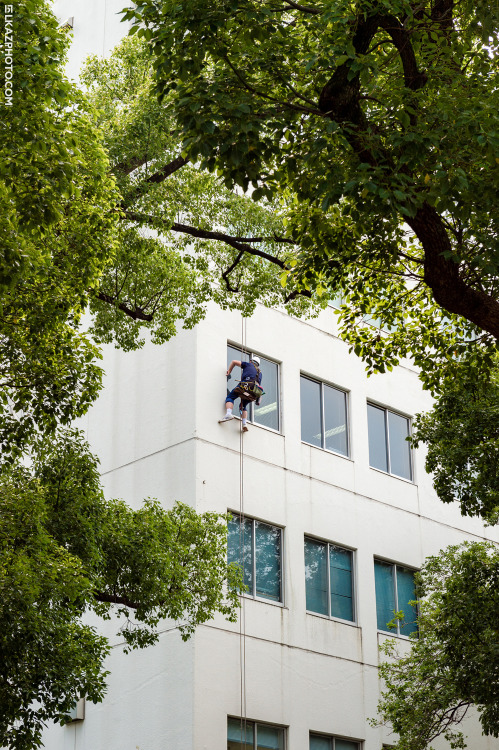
[248, 389]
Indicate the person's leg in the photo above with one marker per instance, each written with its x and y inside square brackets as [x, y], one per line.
[244, 415]
[229, 405]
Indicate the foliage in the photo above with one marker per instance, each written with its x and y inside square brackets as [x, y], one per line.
[57, 235]
[65, 550]
[453, 662]
[375, 124]
[462, 435]
[180, 228]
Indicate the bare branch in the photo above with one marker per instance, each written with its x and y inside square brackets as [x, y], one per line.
[303, 8]
[225, 274]
[205, 234]
[136, 313]
[156, 178]
[286, 105]
[127, 166]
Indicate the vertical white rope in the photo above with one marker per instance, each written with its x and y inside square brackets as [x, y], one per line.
[242, 617]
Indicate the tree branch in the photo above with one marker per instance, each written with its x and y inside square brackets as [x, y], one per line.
[158, 177]
[100, 596]
[205, 234]
[136, 313]
[303, 8]
[127, 166]
[225, 274]
[413, 78]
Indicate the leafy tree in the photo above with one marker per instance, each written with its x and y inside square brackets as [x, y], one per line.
[183, 237]
[58, 232]
[375, 124]
[462, 436]
[65, 550]
[453, 663]
[74, 236]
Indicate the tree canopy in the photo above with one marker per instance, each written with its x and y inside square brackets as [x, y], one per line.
[375, 125]
[58, 232]
[363, 178]
[453, 662]
[461, 433]
[183, 236]
[64, 551]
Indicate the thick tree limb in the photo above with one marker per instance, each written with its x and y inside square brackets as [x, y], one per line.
[156, 178]
[205, 234]
[137, 313]
[413, 78]
[303, 8]
[100, 596]
[442, 274]
[125, 167]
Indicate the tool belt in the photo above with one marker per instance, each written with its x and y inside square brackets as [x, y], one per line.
[249, 390]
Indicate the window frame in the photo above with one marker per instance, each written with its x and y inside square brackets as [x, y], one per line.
[386, 410]
[395, 565]
[333, 738]
[346, 393]
[256, 724]
[354, 581]
[254, 596]
[251, 410]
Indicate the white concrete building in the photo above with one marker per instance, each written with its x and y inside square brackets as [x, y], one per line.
[338, 513]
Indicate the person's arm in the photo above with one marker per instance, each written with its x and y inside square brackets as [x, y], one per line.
[234, 363]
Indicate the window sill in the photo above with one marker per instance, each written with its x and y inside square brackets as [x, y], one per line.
[260, 599]
[261, 426]
[326, 450]
[333, 619]
[394, 476]
[400, 637]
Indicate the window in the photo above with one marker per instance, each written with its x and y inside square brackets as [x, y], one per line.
[323, 416]
[267, 414]
[388, 446]
[329, 579]
[394, 590]
[252, 735]
[321, 742]
[257, 548]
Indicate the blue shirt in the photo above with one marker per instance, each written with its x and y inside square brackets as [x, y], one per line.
[248, 372]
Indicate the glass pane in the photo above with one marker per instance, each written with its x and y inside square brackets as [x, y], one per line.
[268, 561]
[320, 743]
[385, 593]
[234, 352]
[406, 593]
[400, 452]
[269, 737]
[239, 734]
[335, 420]
[311, 420]
[240, 547]
[316, 576]
[268, 411]
[340, 561]
[345, 745]
[377, 437]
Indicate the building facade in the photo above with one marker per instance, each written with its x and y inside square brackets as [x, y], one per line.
[334, 513]
[331, 536]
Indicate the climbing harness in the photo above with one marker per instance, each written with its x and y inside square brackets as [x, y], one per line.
[249, 390]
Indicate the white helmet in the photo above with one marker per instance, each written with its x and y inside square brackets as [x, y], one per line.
[255, 360]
